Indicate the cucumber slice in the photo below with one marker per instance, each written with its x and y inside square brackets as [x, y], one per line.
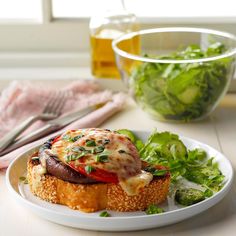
[174, 148]
[138, 142]
[127, 133]
[189, 95]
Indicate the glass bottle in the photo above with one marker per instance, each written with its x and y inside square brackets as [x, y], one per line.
[104, 27]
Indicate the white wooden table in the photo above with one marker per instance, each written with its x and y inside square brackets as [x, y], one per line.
[219, 131]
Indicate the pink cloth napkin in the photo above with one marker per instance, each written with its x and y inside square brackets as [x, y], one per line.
[20, 100]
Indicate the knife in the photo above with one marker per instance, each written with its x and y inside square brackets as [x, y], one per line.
[51, 126]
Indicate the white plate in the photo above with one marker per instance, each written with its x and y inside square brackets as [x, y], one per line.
[119, 221]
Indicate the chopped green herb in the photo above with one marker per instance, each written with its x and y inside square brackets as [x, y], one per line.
[101, 158]
[153, 209]
[74, 149]
[74, 139]
[90, 143]
[82, 149]
[88, 169]
[67, 149]
[82, 154]
[104, 214]
[106, 141]
[122, 151]
[67, 137]
[68, 158]
[35, 158]
[24, 180]
[155, 172]
[98, 149]
[71, 157]
[78, 149]
[74, 157]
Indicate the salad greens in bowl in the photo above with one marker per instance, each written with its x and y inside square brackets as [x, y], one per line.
[180, 74]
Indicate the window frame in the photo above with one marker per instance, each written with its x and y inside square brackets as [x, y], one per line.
[36, 44]
[43, 36]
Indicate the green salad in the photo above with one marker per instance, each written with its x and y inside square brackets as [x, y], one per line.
[182, 91]
[193, 166]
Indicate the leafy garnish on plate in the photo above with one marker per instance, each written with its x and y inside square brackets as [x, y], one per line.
[153, 209]
[104, 214]
[168, 150]
[23, 179]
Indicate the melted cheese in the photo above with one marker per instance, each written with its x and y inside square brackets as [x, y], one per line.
[126, 164]
[37, 172]
[134, 184]
[43, 158]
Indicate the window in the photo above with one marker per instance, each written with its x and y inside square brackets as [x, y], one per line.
[147, 8]
[62, 25]
[54, 33]
[80, 8]
[20, 11]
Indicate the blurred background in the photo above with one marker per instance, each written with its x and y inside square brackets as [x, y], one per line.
[55, 33]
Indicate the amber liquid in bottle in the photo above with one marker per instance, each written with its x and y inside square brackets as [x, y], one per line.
[103, 56]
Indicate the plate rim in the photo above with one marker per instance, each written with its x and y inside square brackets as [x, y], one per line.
[217, 195]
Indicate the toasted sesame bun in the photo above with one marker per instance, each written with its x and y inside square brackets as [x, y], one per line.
[94, 197]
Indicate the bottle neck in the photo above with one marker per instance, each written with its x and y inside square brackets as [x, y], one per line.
[115, 5]
[113, 17]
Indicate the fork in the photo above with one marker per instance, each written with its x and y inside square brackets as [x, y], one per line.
[51, 111]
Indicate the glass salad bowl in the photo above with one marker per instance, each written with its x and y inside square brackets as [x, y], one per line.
[178, 74]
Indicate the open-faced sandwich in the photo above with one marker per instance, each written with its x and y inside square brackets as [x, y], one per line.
[95, 169]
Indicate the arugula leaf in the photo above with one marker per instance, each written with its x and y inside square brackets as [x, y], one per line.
[165, 149]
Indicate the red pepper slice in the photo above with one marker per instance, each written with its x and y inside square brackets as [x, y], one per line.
[56, 139]
[96, 173]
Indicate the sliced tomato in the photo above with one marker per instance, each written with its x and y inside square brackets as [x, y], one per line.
[56, 139]
[96, 173]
